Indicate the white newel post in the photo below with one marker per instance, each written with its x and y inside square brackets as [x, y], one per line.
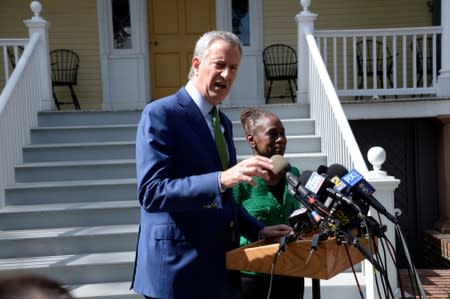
[385, 186]
[38, 26]
[305, 23]
[443, 80]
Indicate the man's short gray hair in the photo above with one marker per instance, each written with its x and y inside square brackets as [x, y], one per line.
[207, 39]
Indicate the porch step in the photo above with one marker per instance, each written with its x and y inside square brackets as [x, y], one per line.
[70, 191]
[79, 151]
[69, 214]
[87, 118]
[75, 268]
[75, 170]
[71, 134]
[67, 240]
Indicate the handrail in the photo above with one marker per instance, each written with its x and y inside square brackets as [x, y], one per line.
[27, 91]
[338, 141]
[18, 98]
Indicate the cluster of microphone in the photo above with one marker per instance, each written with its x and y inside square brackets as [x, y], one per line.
[333, 200]
[335, 203]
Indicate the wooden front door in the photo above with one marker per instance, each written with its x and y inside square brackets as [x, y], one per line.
[174, 27]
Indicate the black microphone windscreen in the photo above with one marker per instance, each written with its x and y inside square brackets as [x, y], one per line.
[304, 176]
[336, 170]
[322, 169]
[280, 164]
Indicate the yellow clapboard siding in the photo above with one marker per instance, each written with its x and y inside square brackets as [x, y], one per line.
[73, 25]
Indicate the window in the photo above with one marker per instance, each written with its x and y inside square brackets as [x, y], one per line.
[121, 24]
[240, 20]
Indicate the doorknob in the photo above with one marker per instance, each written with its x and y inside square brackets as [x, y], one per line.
[155, 43]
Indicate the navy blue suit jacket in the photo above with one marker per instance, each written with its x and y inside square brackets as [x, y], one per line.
[183, 237]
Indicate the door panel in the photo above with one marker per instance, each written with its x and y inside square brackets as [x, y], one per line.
[174, 27]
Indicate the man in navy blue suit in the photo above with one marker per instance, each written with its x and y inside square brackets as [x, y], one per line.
[189, 219]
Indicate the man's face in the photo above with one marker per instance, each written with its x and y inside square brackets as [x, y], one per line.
[215, 73]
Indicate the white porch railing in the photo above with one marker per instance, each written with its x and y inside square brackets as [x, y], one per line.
[11, 50]
[338, 142]
[387, 61]
[27, 91]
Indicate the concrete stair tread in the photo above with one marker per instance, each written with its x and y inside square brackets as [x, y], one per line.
[80, 183]
[70, 206]
[102, 290]
[77, 144]
[76, 163]
[72, 260]
[77, 127]
[62, 232]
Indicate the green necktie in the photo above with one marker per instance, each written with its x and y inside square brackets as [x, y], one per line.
[218, 136]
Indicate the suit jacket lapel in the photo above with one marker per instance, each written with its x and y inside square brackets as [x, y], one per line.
[195, 118]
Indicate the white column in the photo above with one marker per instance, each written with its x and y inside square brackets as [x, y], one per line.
[305, 23]
[38, 26]
[443, 80]
[385, 186]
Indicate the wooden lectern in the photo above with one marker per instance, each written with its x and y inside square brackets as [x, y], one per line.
[327, 261]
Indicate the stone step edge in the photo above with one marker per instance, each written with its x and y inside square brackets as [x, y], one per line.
[77, 144]
[71, 183]
[74, 206]
[75, 163]
[68, 232]
[68, 260]
[76, 127]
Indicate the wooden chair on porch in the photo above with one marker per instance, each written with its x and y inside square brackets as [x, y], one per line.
[64, 67]
[280, 64]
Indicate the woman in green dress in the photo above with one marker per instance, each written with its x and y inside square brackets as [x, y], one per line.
[268, 201]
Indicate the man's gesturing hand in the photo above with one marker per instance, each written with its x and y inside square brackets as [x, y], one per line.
[245, 170]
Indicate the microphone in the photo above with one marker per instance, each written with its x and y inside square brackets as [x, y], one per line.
[322, 169]
[280, 164]
[302, 222]
[317, 184]
[356, 183]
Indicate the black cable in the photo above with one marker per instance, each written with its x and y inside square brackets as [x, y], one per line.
[272, 271]
[281, 248]
[354, 272]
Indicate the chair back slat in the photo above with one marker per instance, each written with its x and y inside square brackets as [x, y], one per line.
[64, 66]
[280, 62]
